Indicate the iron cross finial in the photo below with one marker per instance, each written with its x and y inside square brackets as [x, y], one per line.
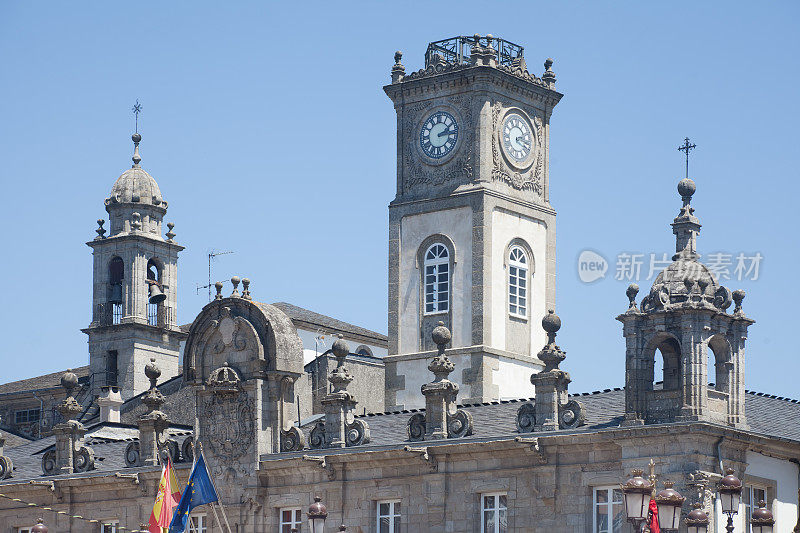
[686, 147]
[137, 108]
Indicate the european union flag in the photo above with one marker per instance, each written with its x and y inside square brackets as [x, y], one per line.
[199, 491]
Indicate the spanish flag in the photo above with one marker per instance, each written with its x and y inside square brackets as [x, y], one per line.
[169, 493]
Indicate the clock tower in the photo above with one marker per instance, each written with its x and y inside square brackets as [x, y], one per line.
[471, 228]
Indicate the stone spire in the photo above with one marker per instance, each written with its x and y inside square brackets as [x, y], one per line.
[686, 226]
[340, 428]
[442, 419]
[552, 408]
[152, 425]
[70, 454]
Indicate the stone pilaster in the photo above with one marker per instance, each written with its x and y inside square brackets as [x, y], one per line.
[340, 428]
[154, 423]
[70, 454]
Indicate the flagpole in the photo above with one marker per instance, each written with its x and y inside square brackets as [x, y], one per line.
[214, 510]
[222, 508]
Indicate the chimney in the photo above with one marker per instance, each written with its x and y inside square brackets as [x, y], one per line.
[109, 401]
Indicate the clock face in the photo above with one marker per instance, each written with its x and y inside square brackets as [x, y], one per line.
[439, 135]
[517, 137]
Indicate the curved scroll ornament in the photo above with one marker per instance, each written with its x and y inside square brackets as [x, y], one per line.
[49, 462]
[415, 428]
[357, 433]
[6, 467]
[316, 438]
[526, 417]
[459, 424]
[84, 459]
[132, 454]
[292, 440]
[171, 448]
[723, 298]
[571, 415]
[187, 449]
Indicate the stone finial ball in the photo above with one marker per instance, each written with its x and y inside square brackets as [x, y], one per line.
[340, 347]
[218, 286]
[738, 296]
[151, 370]
[551, 322]
[632, 290]
[398, 56]
[235, 280]
[136, 138]
[548, 63]
[441, 335]
[69, 380]
[489, 36]
[686, 187]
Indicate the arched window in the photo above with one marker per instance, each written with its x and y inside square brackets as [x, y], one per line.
[153, 271]
[437, 279]
[517, 282]
[116, 270]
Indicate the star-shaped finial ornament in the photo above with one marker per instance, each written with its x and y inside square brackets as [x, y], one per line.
[137, 108]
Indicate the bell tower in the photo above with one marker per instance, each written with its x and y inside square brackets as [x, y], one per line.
[471, 228]
[135, 282]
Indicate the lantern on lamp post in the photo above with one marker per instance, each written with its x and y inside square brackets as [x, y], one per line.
[317, 514]
[637, 491]
[762, 520]
[41, 528]
[730, 495]
[669, 502]
[697, 520]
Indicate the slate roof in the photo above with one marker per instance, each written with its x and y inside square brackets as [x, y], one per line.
[47, 381]
[604, 409]
[304, 315]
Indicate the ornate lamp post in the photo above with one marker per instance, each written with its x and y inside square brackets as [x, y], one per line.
[730, 494]
[637, 491]
[317, 514]
[762, 520]
[697, 520]
[41, 528]
[669, 502]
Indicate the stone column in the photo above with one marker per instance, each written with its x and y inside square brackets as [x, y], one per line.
[440, 394]
[153, 424]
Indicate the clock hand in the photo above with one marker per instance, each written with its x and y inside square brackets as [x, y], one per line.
[443, 133]
[523, 141]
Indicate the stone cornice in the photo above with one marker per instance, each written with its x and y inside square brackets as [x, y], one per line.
[126, 237]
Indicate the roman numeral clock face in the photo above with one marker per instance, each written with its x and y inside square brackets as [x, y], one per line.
[439, 135]
[517, 137]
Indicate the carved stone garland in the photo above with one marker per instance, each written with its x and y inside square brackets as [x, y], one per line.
[442, 419]
[552, 408]
[70, 453]
[340, 428]
[458, 168]
[529, 180]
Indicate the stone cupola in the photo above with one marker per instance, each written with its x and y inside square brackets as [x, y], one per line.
[681, 318]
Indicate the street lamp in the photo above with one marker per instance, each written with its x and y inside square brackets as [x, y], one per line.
[637, 491]
[317, 514]
[697, 519]
[669, 503]
[41, 528]
[762, 520]
[730, 494]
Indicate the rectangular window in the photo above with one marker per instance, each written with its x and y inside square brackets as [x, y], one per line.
[388, 516]
[23, 529]
[27, 416]
[751, 495]
[197, 523]
[110, 526]
[494, 512]
[291, 518]
[437, 288]
[518, 291]
[608, 510]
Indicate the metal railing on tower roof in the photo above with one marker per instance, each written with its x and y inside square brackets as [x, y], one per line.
[458, 49]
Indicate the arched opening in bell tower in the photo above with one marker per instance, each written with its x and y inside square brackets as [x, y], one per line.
[667, 367]
[719, 363]
[155, 293]
[116, 273]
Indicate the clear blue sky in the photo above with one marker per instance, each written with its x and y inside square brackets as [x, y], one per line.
[267, 129]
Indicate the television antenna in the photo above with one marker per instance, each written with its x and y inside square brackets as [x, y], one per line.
[211, 255]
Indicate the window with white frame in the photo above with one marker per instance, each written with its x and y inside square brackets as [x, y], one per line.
[24, 529]
[517, 282]
[198, 523]
[437, 279]
[291, 518]
[751, 495]
[388, 516]
[109, 526]
[608, 511]
[494, 511]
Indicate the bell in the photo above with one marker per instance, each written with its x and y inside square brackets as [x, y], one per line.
[156, 294]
